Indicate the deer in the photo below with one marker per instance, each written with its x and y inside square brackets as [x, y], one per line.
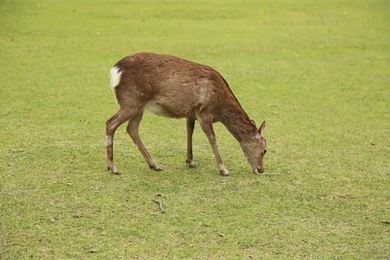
[174, 87]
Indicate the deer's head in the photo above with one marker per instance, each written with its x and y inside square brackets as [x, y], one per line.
[255, 148]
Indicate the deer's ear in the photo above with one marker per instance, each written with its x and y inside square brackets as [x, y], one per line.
[261, 129]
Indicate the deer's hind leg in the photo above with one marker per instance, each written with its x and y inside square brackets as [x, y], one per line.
[132, 130]
[111, 125]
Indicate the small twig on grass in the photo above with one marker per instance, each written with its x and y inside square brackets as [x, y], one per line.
[16, 150]
[271, 173]
[385, 221]
[221, 234]
[92, 251]
[160, 205]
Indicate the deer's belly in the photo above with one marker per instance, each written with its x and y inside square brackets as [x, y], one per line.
[166, 111]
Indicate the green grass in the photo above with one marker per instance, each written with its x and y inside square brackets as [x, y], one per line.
[316, 71]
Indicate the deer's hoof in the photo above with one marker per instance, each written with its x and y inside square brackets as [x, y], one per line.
[113, 170]
[224, 172]
[155, 168]
[190, 164]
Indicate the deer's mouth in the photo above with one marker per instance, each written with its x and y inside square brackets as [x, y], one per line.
[259, 170]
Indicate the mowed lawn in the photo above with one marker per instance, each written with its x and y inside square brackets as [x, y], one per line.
[316, 71]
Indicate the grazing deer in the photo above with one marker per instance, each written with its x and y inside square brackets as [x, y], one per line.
[174, 87]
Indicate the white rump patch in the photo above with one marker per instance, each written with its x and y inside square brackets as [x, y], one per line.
[115, 77]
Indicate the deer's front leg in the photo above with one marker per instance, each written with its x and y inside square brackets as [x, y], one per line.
[207, 127]
[190, 131]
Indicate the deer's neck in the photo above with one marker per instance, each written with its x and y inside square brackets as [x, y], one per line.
[238, 123]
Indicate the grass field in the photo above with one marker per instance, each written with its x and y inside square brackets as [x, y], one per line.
[316, 71]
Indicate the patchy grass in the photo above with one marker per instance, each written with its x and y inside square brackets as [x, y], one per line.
[318, 72]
